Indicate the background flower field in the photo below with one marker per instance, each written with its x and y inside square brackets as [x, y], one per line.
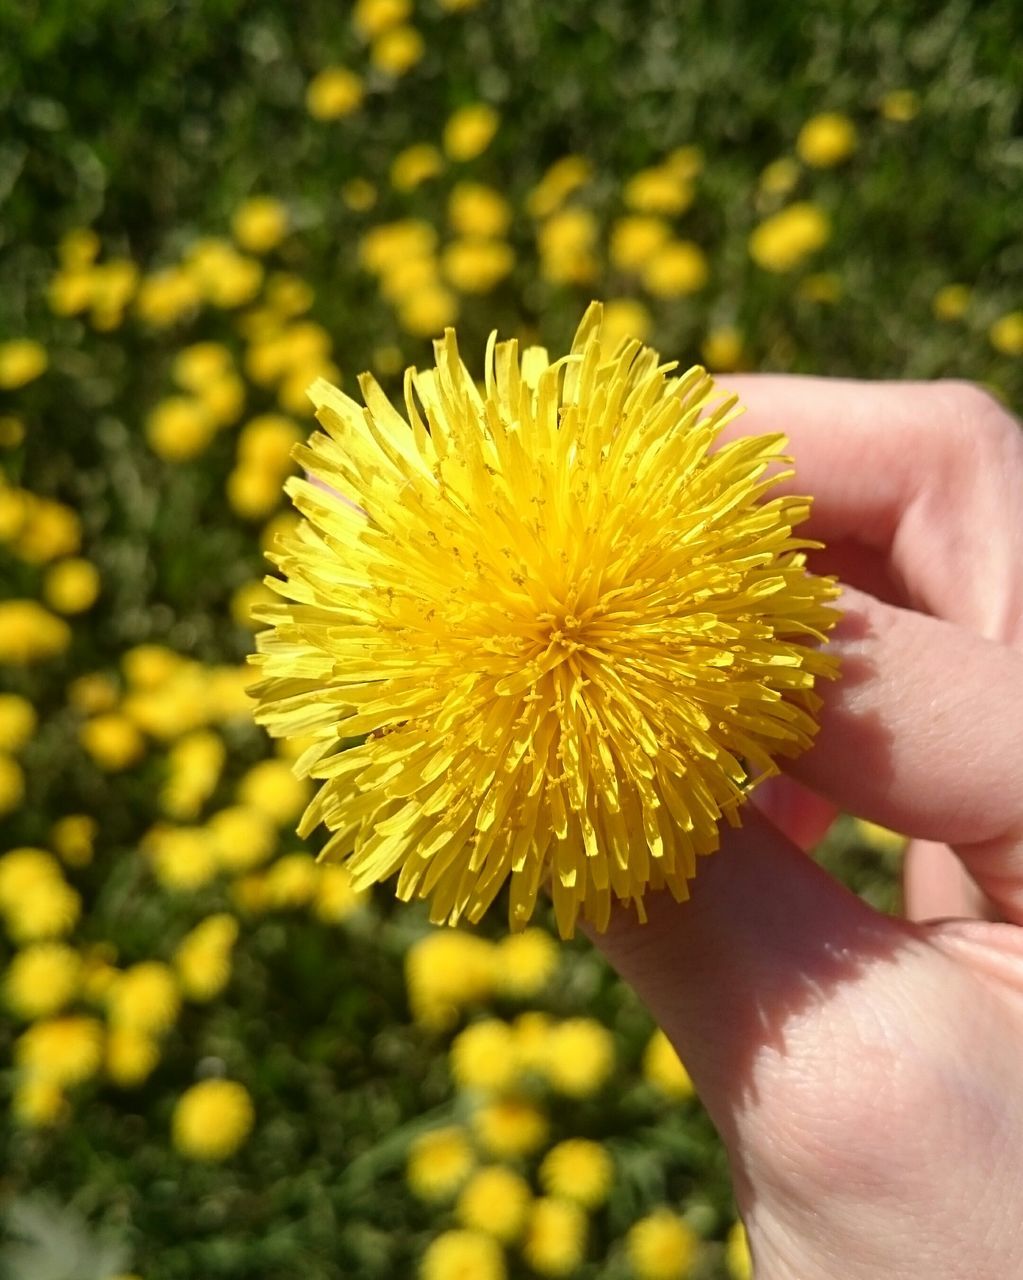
[216, 1059]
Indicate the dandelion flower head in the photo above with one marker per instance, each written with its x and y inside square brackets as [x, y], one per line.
[547, 630]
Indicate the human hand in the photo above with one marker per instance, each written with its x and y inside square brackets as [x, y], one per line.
[866, 1073]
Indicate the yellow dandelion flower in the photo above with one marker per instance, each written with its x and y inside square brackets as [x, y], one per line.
[463, 1255]
[826, 140]
[65, 1051]
[167, 296]
[780, 176]
[20, 870]
[243, 837]
[477, 211]
[12, 784]
[48, 908]
[566, 242]
[78, 247]
[73, 837]
[17, 721]
[663, 1068]
[183, 858]
[29, 633]
[685, 163]
[477, 266]
[511, 612]
[42, 979]
[526, 962]
[495, 1201]
[246, 598]
[722, 348]
[272, 787]
[289, 295]
[439, 1163]
[415, 165]
[661, 1246]
[510, 1127]
[291, 881]
[50, 530]
[951, 302]
[333, 93]
[71, 586]
[555, 1241]
[359, 195]
[212, 1120]
[223, 399]
[397, 51]
[900, 106]
[660, 189]
[371, 17]
[145, 998]
[563, 178]
[179, 428]
[334, 898]
[427, 311]
[38, 1103]
[253, 492]
[113, 741]
[196, 366]
[737, 1254]
[130, 1057]
[445, 972]
[194, 765]
[581, 1057]
[203, 957]
[578, 1170]
[260, 223]
[635, 240]
[470, 130]
[782, 241]
[22, 360]
[624, 318]
[533, 1039]
[675, 269]
[1006, 334]
[483, 1056]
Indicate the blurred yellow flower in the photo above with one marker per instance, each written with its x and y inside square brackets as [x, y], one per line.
[225, 277]
[624, 318]
[78, 247]
[113, 286]
[203, 957]
[826, 140]
[113, 741]
[510, 1127]
[477, 266]
[38, 1103]
[147, 666]
[293, 393]
[578, 1170]
[291, 881]
[179, 428]
[22, 360]
[42, 979]
[388, 243]
[470, 130]
[267, 442]
[12, 784]
[72, 837]
[260, 223]
[145, 998]
[685, 163]
[183, 858]
[463, 1255]
[533, 1041]
[427, 312]
[737, 1254]
[47, 908]
[784, 240]
[371, 17]
[660, 190]
[335, 898]
[677, 268]
[477, 211]
[483, 1056]
[272, 787]
[246, 598]
[1006, 334]
[555, 1241]
[71, 586]
[495, 1201]
[563, 178]
[661, 1246]
[223, 399]
[50, 530]
[635, 239]
[439, 1161]
[18, 721]
[458, 6]
[243, 837]
[333, 93]
[29, 633]
[196, 366]
[951, 301]
[63, 1051]
[22, 868]
[253, 492]
[167, 296]
[397, 51]
[415, 165]
[289, 295]
[581, 1057]
[444, 972]
[566, 241]
[900, 106]
[663, 1068]
[130, 1056]
[212, 1120]
[359, 195]
[525, 963]
[194, 765]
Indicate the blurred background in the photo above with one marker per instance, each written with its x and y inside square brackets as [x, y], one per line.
[216, 1060]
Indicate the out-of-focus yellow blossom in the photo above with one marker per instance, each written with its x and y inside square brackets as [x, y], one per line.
[42, 979]
[663, 1068]
[737, 1254]
[677, 268]
[879, 838]
[64, 1051]
[401, 280]
[439, 1162]
[372, 17]
[391, 242]
[113, 741]
[658, 190]
[14, 506]
[470, 130]
[578, 1170]
[194, 765]
[18, 721]
[99, 973]
[293, 393]
[291, 881]
[476, 266]
[722, 348]
[359, 195]
[243, 837]
[113, 285]
[555, 1241]
[38, 1103]
[445, 971]
[95, 691]
[223, 399]
[685, 163]
[1006, 334]
[495, 1200]
[581, 1056]
[246, 598]
[900, 106]
[12, 784]
[566, 242]
[267, 441]
[415, 165]
[280, 353]
[478, 211]
[289, 295]
[203, 958]
[272, 787]
[130, 1056]
[78, 247]
[623, 318]
[173, 707]
[12, 432]
[822, 286]
[510, 1127]
[228, 692]
[69, 292]
[71, 586]
[951, 301]
[248, 893]
[826, 140]
[483, 1056]
[463, 1255]
[49, 530]
[563, 177]
[533, 1041]
[397, 51]
[526, 962]
[22, 360]
[635, 239]
[260, 223]
[225, 277]
[21, 869]
[147, 666]
[49, 908]
[661, 1246]
[279, 526]
[73, 838]
[196, 366]
[253, 492]
[335, 899]
[428, 312]
[333, 93]
[784, 240]
[166, 296]
[179, 428]
[212, 1120]
[145, 998]
[29, 633]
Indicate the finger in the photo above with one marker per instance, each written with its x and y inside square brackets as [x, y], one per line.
[799, 814]
[936, 885]
[928, 476]
[923, 733]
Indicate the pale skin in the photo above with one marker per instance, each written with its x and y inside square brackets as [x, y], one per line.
[866, 1072]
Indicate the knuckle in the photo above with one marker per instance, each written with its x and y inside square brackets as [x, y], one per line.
[978, 416]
